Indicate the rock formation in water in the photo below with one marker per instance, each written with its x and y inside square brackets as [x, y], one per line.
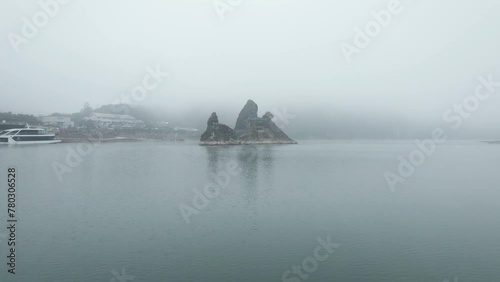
[217, 133]
[249, 129]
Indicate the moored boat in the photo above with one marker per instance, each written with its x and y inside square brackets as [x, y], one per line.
[27, 136]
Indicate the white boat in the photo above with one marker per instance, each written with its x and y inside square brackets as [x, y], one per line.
[27, 136]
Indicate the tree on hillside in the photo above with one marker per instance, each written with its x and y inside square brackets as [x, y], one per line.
[84, 112]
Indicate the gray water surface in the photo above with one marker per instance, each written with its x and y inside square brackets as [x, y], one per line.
[119, 209]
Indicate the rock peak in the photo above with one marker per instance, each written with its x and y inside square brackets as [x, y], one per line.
[212, 119]
[268, 115]
[216, 133]
[250, 101]
[248, 112]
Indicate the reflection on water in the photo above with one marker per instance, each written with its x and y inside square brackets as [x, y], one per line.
[248, 160]
[254, 161]
[213, 158]
[268, 160]
[248, 157]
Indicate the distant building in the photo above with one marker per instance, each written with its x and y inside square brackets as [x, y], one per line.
[58, 121]
[114, 121]
[189, 129]
[162, 124]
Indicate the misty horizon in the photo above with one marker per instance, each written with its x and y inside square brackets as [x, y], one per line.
[84, 55]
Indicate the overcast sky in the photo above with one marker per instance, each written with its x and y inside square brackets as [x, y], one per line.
[277, 52]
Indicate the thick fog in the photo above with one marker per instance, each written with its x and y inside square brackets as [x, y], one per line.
[286, 55]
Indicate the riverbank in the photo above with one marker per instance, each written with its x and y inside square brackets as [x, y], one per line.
[123, 135]
[260, 142]
[94, 140]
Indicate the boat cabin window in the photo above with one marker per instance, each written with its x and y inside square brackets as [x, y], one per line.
[8, 132]
[29, 132]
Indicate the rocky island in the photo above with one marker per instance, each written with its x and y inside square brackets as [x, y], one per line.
[249, 129]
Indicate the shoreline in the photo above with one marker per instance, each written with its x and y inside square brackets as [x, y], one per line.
[233, 143]
[114, 140]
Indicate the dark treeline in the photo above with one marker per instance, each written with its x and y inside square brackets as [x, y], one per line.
[19, 118]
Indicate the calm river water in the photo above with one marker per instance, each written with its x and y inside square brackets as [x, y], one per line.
[125, 212]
